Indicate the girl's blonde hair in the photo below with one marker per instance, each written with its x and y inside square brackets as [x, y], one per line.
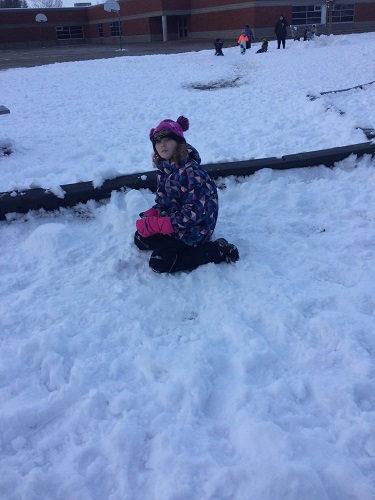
[180, 154]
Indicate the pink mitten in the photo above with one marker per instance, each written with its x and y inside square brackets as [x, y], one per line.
[154, 225]
[151, 212]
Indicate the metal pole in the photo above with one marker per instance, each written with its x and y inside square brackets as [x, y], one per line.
[119, 25]
[330, 16]
[329, 5]
[165, 28]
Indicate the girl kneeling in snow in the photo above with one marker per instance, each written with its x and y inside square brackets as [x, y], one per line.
[179, 226]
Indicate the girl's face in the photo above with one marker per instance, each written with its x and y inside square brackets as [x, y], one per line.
[166, 147]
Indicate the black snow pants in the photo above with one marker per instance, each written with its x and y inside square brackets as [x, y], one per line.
[170, 255]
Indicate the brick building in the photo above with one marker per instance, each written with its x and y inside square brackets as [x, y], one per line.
[150, 20]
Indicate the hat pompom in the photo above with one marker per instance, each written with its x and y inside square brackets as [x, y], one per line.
[183, 122]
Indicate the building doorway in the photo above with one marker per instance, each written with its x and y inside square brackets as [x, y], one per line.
[182, 27]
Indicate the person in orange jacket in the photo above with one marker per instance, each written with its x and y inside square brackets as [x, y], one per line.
[242, 41]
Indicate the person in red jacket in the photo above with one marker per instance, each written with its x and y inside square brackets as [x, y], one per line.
[242, 41]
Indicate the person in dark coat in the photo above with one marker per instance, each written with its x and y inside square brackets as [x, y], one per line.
[250, 36]
[218, 47]
[280, 31]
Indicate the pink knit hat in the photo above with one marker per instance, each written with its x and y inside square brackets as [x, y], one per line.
[169, 128]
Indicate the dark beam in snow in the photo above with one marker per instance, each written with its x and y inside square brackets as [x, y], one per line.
[38, 198]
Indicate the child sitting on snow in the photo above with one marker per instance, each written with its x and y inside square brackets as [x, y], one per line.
[264, 46]
[310, 33]
[178, 228]
[313, 31]
[218, 47]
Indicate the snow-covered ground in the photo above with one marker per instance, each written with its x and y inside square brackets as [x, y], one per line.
[83, 121]
[247, 381]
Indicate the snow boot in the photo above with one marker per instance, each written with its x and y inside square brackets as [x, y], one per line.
[228, 252]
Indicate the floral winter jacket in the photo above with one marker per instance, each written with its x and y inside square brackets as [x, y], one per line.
[187, 194]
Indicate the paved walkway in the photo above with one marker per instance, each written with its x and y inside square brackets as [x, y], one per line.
[25, 58]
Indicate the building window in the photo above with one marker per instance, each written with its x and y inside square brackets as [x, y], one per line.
[69, 32]
[306, 14]
[343, 13]
[115, 28]
[100, 30]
